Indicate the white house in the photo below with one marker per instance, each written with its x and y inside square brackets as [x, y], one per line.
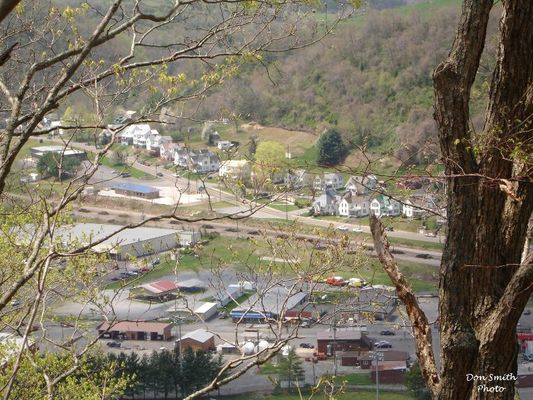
[235, 169]
[224, 145]
[199, 161]
[166, 150]
[327, 203]
[361, 185]
[135, 134]
[204, 162]
[328, 180]
[418, 206]
[352, 206]
[154, 141]
[383, 206]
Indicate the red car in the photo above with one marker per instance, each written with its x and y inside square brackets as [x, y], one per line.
[336, 281]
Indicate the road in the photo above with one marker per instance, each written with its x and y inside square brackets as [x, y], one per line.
[242, 206]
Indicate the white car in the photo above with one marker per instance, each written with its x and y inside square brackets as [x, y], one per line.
[342, 228]
[357, 229]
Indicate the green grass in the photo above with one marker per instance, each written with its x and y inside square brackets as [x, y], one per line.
[357, 379]
[120, 168]
[219, 251]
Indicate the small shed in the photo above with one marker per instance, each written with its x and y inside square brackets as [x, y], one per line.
[226, 296]
[199, 339]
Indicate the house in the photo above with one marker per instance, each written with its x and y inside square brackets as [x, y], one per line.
[328, 180]
[361, 185]
[166, 150]
[181, 157]
[154, 141]
[135, 134]
[199, 161]
[298, 179]
[199, 339]
[391, 373]
[418, 206]
[203, 162]
[326, 204]
[224, 145]
[384, 206]
[235, 169]
[353, 206]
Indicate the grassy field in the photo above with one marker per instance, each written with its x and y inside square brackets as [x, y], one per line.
[243, 253]
[357, 379]
[120, 168]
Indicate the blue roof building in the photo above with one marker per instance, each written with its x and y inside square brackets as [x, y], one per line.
[136, 190]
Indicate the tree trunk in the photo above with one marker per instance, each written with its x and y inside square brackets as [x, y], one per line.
[482, 289]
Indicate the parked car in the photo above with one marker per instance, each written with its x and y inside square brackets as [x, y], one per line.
[395, 251]
[336, 281]
[125, 175]
[527, 311]
[255, 233]
[424, 255]
[430, 234]
[207, 226]
[306, 346]
[160, 174]
[231, 229]
[528, 357]
[15, 303]
[389, 228]
[387, 333]
[383, 344]
[342, 228]
[155, 262]
[113, 344]
[357, 229]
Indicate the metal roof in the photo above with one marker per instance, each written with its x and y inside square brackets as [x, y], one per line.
[134, 187]
[87, 232]
[135, 326]
[192, 283]
[199, 335]
[161, 286]
[352, 334]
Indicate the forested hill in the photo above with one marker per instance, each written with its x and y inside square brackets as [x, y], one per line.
[371, 78]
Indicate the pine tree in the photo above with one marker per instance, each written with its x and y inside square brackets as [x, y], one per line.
[331, 148]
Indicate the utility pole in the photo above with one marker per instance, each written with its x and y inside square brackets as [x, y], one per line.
[377, 356]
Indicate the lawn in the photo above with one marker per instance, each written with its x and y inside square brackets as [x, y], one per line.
[120, 168]
[220, 251]
[357, 379]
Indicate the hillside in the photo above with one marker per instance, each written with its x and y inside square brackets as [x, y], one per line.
[371, 78]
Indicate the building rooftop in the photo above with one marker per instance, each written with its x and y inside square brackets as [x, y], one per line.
[135, 326]
[161, 286]
[134, 187]
[199, 335]
[41, 150]
[88, 232]
[351, 334]
[191, 283]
